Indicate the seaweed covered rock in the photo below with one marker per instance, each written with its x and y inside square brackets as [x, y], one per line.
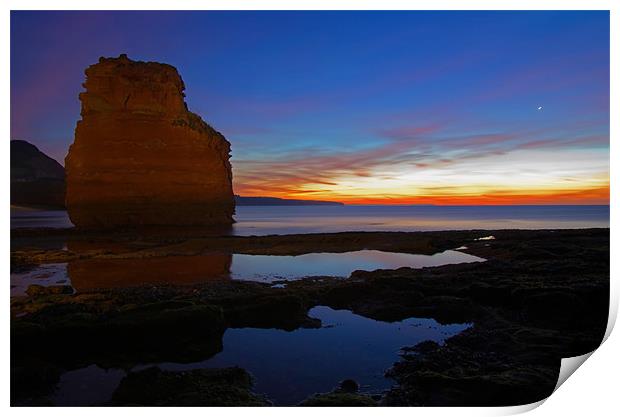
[197, 387]
[339, 399]
[345, 395]
[140, 157]
[91, 326]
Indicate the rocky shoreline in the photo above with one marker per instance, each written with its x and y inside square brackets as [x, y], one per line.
[541, 295]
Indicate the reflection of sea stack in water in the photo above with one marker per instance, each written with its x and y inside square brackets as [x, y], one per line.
[131, 268]
[89, 274]
[140, 158]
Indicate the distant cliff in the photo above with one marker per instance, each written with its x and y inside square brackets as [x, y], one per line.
[36, 179]
[273, 201]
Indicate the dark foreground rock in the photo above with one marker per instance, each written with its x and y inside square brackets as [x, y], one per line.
[196, 388]
[339, 399]
[346, 395]
[541, 296]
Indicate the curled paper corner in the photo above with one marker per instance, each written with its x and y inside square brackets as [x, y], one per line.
[520, 409]
[613, 314]
[569, 366]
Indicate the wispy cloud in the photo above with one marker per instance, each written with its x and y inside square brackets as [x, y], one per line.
[473, 166]
[408, 132]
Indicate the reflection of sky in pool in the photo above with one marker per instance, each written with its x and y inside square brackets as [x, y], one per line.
[44, 275]
[269, 268]
[290, 366]
[187, 270]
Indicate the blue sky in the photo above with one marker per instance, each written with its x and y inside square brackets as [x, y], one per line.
[354, 106]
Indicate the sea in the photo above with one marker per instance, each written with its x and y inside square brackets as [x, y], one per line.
[269, 220]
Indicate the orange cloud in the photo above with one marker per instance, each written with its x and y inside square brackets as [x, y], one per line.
[467, 170]
[534, 197]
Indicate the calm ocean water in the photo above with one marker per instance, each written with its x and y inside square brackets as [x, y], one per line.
[265, 220]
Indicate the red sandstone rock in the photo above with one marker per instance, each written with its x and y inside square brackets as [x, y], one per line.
[140, 158]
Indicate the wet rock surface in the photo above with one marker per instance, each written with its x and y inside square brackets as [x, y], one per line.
[541, 296]
[196, 388]
[346, 395]
[140, 157]
[339, 399]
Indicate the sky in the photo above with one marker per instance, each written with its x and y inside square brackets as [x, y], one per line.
[414, 107]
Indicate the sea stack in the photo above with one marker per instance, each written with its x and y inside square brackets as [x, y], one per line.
[140, 157]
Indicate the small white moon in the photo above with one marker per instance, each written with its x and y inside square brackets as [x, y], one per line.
[539, 108]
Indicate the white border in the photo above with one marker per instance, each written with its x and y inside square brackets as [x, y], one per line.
[592, 391]
[312, 5]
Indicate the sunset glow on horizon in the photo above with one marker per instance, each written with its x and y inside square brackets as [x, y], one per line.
[510, 177]
[447, 108]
